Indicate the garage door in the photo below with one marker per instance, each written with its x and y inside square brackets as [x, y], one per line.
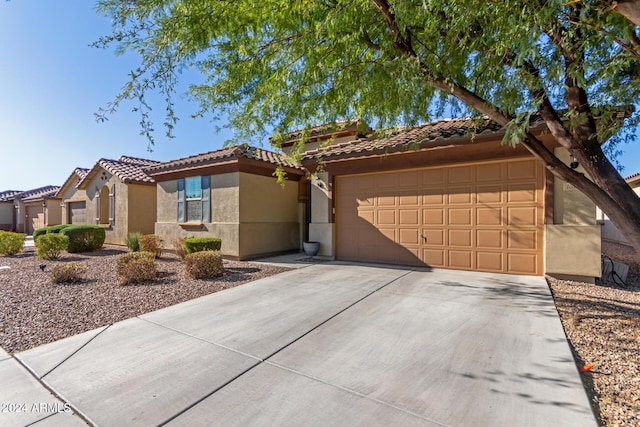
[482, 216]
[77, 213]
[35, 218]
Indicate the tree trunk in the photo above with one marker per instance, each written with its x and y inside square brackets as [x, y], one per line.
[630, 9]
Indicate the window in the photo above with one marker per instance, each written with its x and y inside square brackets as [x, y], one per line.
[194, 199]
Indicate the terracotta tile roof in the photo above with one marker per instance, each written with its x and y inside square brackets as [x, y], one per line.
[126, 169]
[38, 193]
[81, 172]
[74, 179]
[634, 177]
[416, 137]
[220, 156]
[326, 130]
[9, 195]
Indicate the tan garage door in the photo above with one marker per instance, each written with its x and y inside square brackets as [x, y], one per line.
[484, 216]
[35, 218]
[77, 213]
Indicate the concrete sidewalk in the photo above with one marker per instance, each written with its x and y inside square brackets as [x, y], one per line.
[331, 344]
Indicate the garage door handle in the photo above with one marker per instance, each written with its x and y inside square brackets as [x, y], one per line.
[422, 236]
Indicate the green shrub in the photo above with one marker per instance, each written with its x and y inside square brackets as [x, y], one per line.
[133, 241]
[136, 267]
[198, 244]
[84, 238]
[11, 243]
[49, 246]
[152, 243]
[54, 229]
[67, 272]
[204, 264]
[179, 248]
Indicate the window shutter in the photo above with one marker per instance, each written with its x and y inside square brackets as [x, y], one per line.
[112, 205]
[181, 201]
[97, 216]
[206, 199]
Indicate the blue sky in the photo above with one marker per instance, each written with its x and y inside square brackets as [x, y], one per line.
[51, 83]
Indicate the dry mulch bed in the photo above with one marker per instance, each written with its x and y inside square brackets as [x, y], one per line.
[34, 311]
[602, 322]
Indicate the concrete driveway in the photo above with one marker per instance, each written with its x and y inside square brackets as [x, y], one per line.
[331, 344]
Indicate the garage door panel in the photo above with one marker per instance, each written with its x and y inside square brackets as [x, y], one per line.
[490, 239]
[489, 172]
[460, 216]
[434, 257]
[433, 237]
[487, 216]
[460, 195]
[490, 217]
[490, 261]
[460, 238]
[459, 259]
[522, 169]
[522, 263]
[77, 213]
[489, 194]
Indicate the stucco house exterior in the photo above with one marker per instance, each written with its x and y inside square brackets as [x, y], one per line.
[25, 211]
[448, 194]
[609, 231]
[232, 194]
[116, 194]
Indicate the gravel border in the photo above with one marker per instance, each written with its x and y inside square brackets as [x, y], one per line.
[602, 323]
[34, 311]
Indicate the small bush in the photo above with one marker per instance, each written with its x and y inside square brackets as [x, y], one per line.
[54, 229]
[198, 244]
[84, 238]
[133, 241]
[67, 272]
[49, 246]
[204, 264]
[178, 246]
[152, 243]
[136, 267]
[11, 243]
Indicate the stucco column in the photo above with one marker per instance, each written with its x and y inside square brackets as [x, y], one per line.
[321, 229]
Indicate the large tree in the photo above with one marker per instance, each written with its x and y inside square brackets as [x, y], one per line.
[281, 64]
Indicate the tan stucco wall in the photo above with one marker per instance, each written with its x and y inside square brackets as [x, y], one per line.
[609, 231]
[142, 202]
[321, 229]
[225, 214]
[573, 241]
[117, 234]
[573, 250]
[6, 215]
[268, 215]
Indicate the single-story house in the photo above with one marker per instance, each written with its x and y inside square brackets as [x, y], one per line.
[25, 211]
[609, 231]
[232, 194]
[449, 194]
[8, 210]
[116, 194]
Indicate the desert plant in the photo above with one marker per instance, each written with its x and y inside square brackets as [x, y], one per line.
[179, 248]
[67, 272]
[11, 243]
[204, 264]
[54, 229]
[197, 244]
[133, 241]
[84, 238]
[152, 243]
[136, 267]
[49, 246]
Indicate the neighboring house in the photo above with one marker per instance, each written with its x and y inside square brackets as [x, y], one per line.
[116, 194]
[32, 209]
[7, 209]
[609, 231]
[449, 194]
[231, 194]
[74, 200]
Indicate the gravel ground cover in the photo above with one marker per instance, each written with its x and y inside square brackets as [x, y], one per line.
[34, 311]
[602, 322]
